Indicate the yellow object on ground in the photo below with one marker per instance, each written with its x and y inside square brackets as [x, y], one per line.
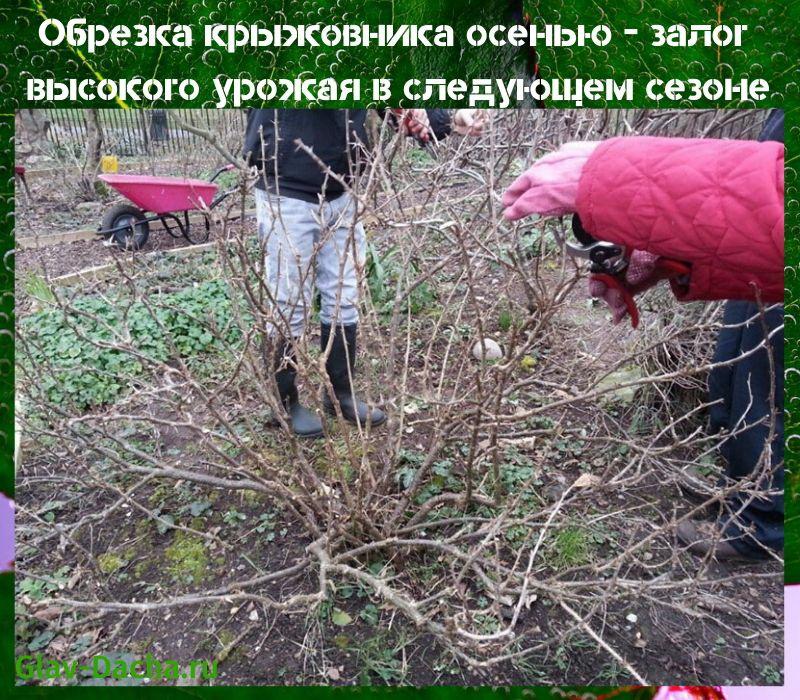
[109, 164]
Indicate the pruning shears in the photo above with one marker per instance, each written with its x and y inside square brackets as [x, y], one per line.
[609, 263]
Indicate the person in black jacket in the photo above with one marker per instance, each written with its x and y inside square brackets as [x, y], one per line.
[309, 228]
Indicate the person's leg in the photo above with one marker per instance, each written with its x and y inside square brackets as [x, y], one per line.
[341, 254]
[720, 395]
[287, 230]
[720, 380]
[750, 406]
[755, 450]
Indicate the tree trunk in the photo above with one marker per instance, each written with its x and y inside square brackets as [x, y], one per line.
[94, 150]
[32, 128]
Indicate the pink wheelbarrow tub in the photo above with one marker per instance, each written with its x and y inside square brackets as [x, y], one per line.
[128, 225]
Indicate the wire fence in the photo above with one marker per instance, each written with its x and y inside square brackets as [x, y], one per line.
[141, 132]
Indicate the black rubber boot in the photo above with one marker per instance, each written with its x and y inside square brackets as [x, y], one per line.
[305, 423]
[341, 365]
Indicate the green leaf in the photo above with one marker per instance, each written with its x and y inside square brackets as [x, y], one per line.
[370, 614]
[163, 525]
[199, 507]
[40, 641]
[341, 618]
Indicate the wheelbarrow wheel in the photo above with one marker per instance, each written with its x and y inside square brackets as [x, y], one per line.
[135, 235]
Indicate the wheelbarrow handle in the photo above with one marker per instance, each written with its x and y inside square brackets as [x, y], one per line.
[223, 169]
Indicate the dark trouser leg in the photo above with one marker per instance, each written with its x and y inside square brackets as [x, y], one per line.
[748, 403]
[305, 423]
[340, 366]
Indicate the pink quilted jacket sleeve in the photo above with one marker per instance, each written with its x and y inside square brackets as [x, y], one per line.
[717, 205]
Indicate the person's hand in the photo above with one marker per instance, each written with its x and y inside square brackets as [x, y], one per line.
[639, 276]
[6, 533]
[550, 186]
[415, 123]
[469, 122]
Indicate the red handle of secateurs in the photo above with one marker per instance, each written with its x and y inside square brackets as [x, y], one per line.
[615, 282]
[665, 269]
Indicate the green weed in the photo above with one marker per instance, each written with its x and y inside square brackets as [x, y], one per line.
[571, 546]
[381, 660]
[385, 273]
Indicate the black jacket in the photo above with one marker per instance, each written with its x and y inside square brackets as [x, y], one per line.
[337, 137]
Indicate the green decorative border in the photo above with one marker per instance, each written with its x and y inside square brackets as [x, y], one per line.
[770, 43]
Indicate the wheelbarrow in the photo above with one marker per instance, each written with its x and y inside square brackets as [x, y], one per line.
[167, 198]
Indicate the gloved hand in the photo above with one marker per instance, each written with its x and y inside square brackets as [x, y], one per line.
[639, 276]
[469, 122]
[415, 123]
[682, 692]
[6, 533]
[550, 186]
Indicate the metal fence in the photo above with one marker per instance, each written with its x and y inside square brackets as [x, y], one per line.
[142, 132]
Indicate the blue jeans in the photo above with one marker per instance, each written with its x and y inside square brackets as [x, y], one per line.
[308, 245]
